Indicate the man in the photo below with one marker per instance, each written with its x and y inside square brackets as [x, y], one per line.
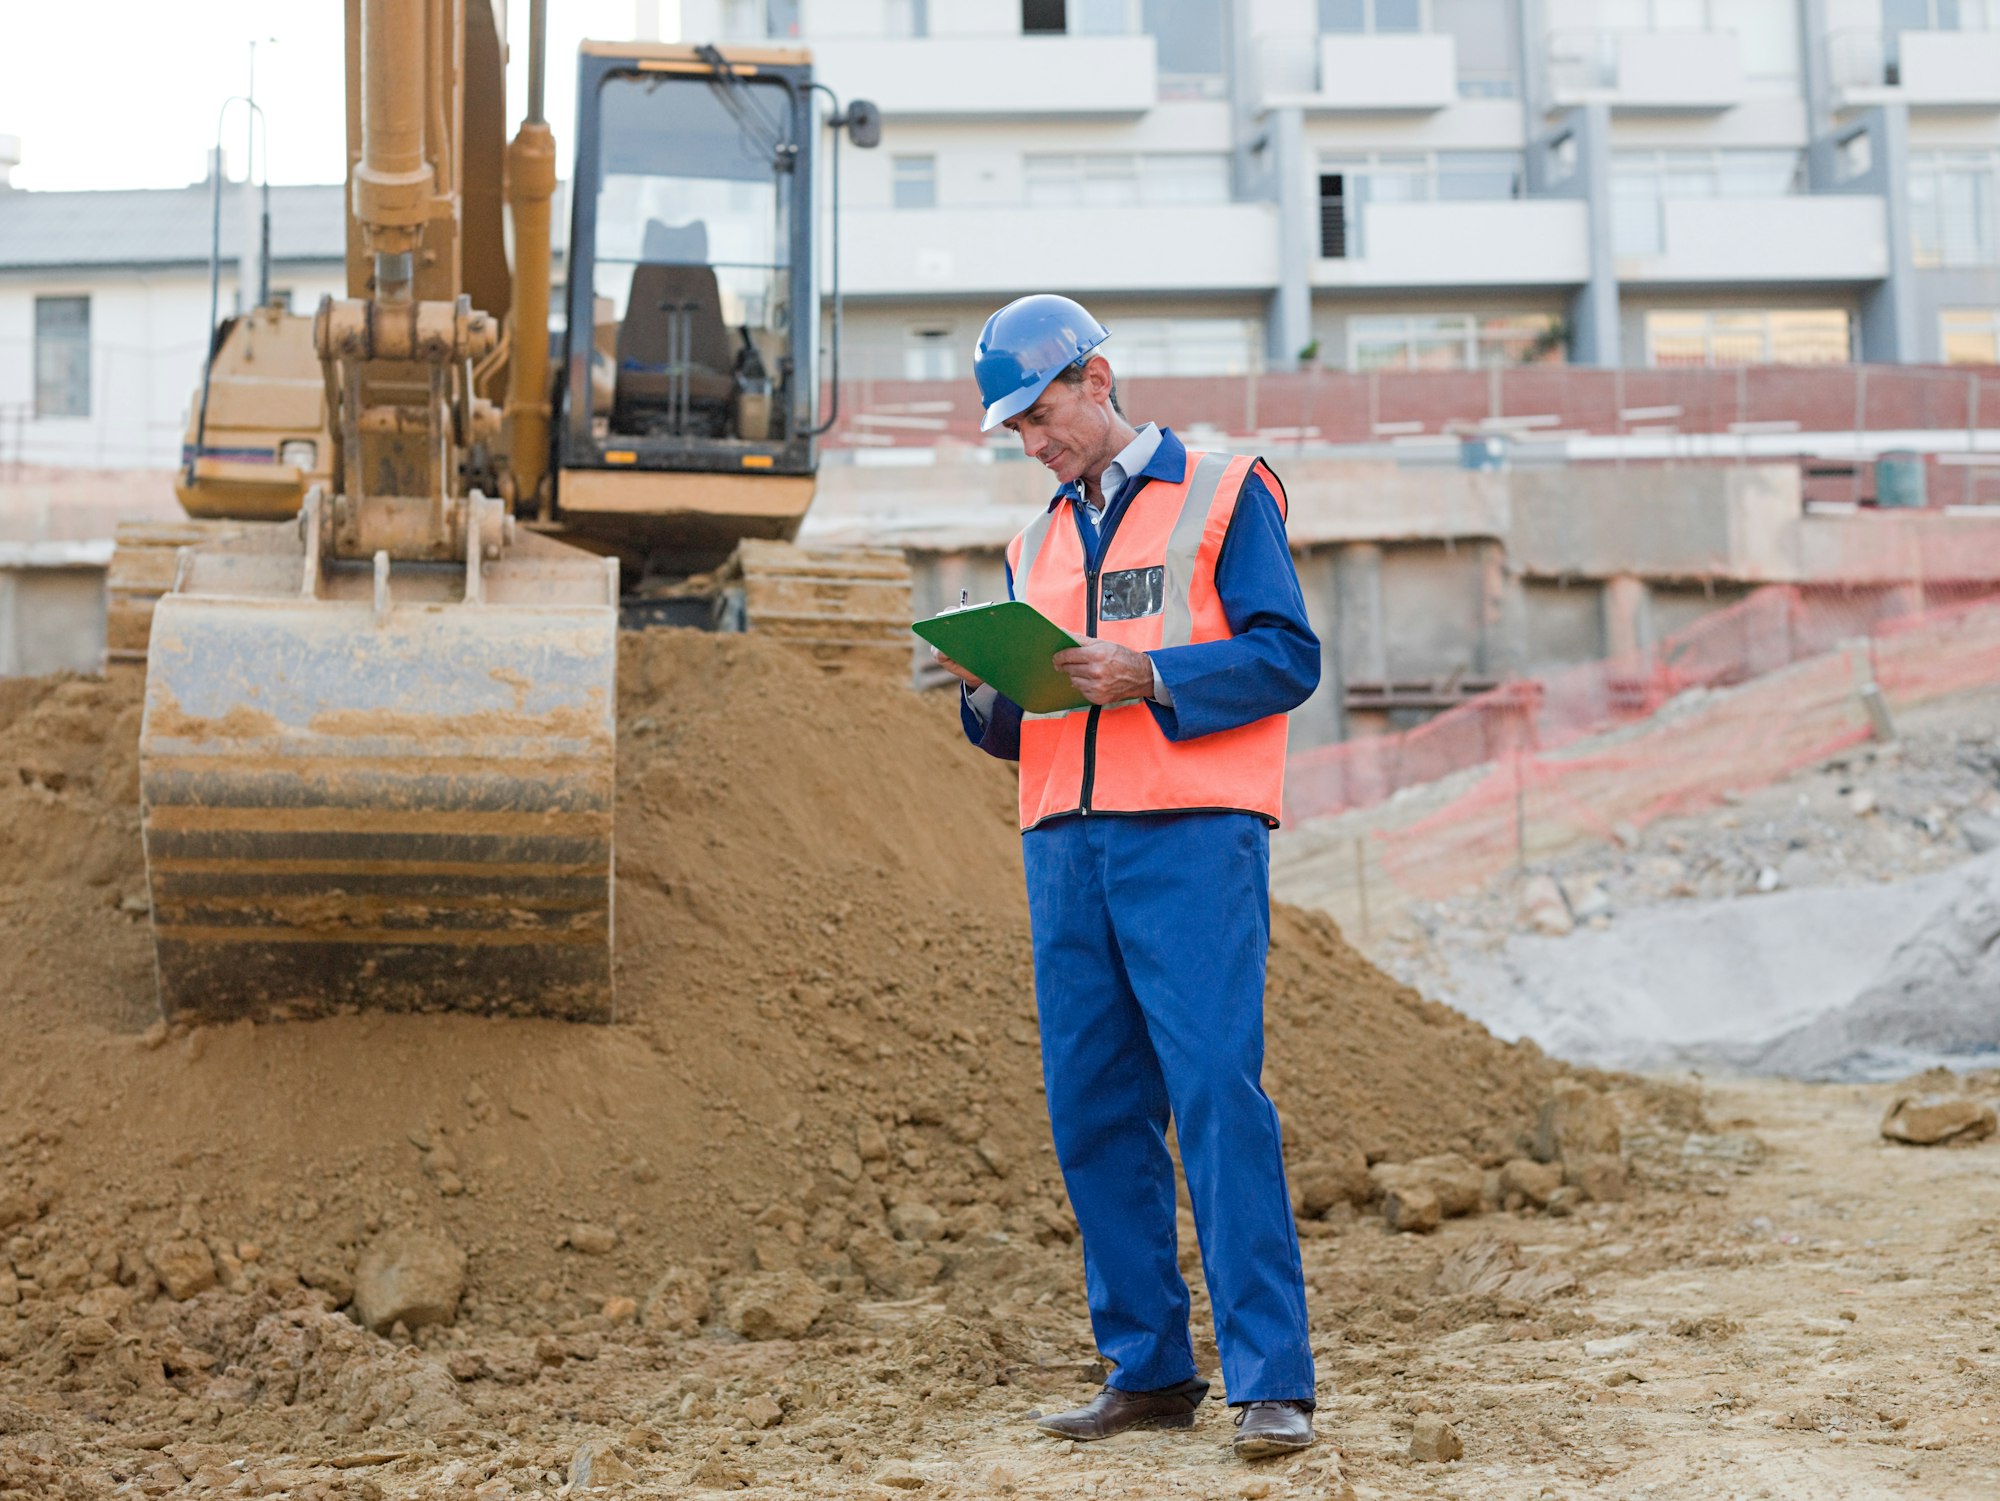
[1146, 842]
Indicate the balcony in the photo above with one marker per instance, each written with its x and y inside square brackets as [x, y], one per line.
[1924, 69]
[1387, 73]
[1511, 242]
[999, 251]
[1657, 72]
[995, 77]
[1834, 238]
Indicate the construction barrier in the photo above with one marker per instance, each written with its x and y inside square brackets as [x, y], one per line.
[1747, 408]
[1743, 698]
[1768, 630]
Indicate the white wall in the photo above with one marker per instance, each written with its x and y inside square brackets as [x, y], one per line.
[148, 338]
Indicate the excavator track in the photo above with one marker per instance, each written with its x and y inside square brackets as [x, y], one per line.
[143, 565]
[848, 608]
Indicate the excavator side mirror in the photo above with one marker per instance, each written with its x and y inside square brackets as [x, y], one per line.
[864, 123]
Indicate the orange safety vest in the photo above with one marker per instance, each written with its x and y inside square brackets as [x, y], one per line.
[1154, 588]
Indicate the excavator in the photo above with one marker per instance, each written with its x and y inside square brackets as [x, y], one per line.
[376, 758]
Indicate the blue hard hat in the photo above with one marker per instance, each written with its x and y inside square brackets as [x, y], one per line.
[1024, 346]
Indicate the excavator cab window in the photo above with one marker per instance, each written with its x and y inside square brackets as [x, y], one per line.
[691, 270]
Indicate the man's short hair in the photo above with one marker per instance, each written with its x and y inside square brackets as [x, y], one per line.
[1072, 375]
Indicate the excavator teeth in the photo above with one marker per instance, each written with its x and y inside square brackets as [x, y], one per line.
[403, 812]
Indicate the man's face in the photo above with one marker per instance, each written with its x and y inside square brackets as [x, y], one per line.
[1067, 427]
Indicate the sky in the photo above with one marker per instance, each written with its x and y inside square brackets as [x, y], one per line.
[125, 93]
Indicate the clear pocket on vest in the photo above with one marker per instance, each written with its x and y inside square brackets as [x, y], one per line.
[1132, 594]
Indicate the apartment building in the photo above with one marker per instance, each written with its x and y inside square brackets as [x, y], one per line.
[1418, 184]
[104, 308]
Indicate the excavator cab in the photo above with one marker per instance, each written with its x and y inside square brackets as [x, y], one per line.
[692, 227]
[685, 411]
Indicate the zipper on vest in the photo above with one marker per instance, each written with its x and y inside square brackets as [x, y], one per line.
[1090, 723]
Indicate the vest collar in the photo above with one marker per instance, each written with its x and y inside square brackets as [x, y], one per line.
[1169, 463]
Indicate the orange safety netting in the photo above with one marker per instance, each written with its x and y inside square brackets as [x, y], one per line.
[1533, 804]
[1614, 746]
[1769, 630]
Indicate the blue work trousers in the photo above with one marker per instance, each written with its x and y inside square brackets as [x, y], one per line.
[1150, 936]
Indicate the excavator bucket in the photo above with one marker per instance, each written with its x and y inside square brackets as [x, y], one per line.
[369, 793]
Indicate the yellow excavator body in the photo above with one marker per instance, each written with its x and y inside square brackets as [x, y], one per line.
[376, 761]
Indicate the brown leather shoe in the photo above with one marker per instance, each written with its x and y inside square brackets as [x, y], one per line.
[1267, 1428]
[1112, 1411]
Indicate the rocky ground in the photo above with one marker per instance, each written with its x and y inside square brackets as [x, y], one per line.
[791, 1226]
[1787, 1307]
[1881, 812]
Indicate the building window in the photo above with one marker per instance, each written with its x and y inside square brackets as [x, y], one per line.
[1940, 15]
[1382, 16]
[1191, 44]
[1184, 346]
[1107, 180]
[1077, 17]
[1101, 17]
[1955, 207]
[930, 353]
[761, 20]
[62, 356]
[1346, 188]
[1818, 336]
[906, 17]
[1452, 341]
[1484, 33]
[914, 181]
[1333, 215]
[1043, 16]
[1643, 181]
[1970, 336]
[1584, 53]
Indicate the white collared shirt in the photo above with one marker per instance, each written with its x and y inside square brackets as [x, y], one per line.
[1132, 458]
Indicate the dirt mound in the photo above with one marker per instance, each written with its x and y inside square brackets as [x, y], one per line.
[824, 1062]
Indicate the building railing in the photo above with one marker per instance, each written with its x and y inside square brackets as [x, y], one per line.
[1711, 412]
[1866, 56]
[1583, 59]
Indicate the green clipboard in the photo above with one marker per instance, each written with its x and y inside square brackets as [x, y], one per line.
[1008, 645]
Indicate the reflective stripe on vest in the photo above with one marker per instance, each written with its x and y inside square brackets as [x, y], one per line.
[1155, 588]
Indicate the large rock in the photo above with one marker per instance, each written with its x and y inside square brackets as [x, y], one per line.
[19, 1206]
[893, 1268]
[409, 1277]
[1330, 1178]
[1927, 1120]
[678, 1301]
[1535, 1182]
[1602, 1177]
[185, 1267]
[1458, 1185]
[775, 1305]
[1435, 1441]
[914, 1221]
[1411, 1207]
[1576, 1122]
[1543, 907]
[1455, 1184]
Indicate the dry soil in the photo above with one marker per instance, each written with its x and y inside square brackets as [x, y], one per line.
[820, 1099]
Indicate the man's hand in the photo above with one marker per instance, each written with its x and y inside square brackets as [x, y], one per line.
[962, 674]
[1105, 672]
